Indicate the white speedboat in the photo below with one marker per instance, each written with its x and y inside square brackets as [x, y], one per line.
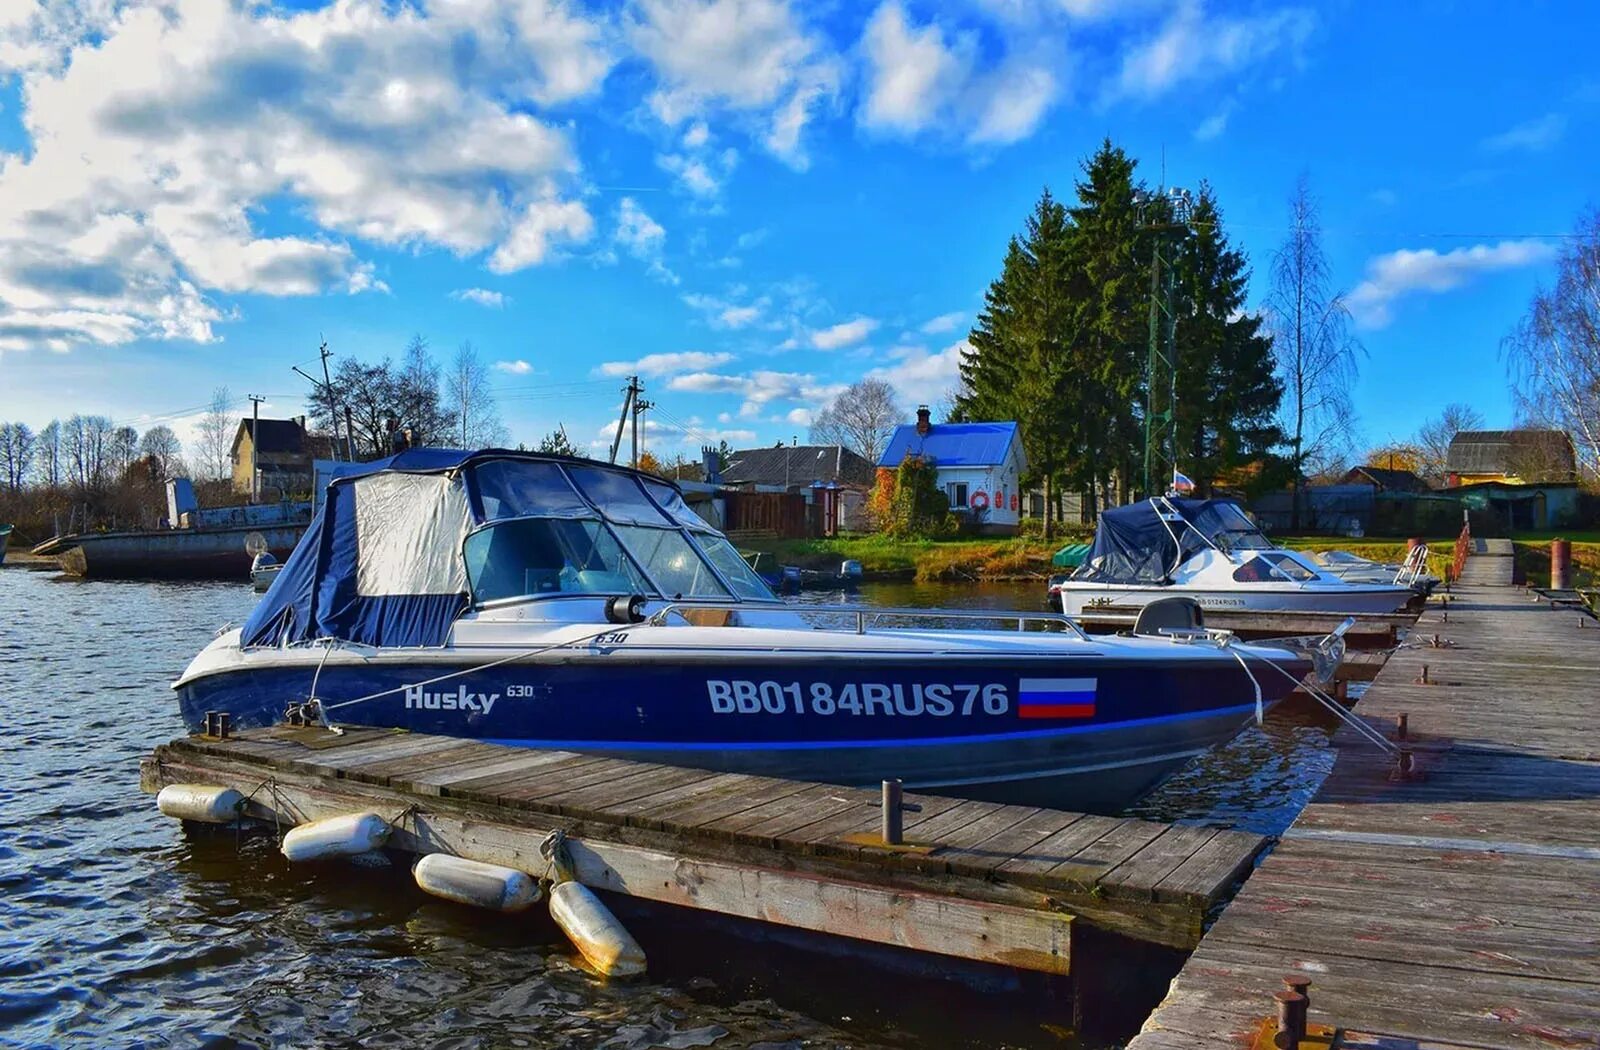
[1207, 550]
[543, 601]
[1352, 568]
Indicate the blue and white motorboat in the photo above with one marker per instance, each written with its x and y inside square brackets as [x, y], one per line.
[552, 602]
[1209, 551]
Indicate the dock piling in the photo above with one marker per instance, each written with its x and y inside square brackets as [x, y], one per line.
[894, 809]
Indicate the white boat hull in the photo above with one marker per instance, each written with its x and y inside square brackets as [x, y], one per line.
[1078, 598]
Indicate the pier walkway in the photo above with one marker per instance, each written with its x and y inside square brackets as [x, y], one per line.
[1461, 909]
[977, 880]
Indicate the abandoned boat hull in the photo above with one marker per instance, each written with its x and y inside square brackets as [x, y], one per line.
[175, 554]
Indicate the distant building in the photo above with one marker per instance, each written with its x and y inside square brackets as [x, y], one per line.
[1513, 457]
[1384, 479]
[281, 452]
[795, 468]
[833, 481]
[979, 467]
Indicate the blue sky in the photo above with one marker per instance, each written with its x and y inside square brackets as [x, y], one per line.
[753, 203]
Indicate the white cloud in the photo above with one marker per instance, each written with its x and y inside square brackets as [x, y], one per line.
[481, 296]
[1397, 274]
[758, 389]
[752, 59]
[943, 323]
[750, 238]
[913, 73]
[1214, 125]
[702, 173]
[1193, 45]
[923, 377]
[1531, 136]
[923, 79]
[516, 368]
[642, 237]
[163, 138]
[545, 224]
[800, 417]
[655, 432]
[725, 313]
[847, 333]
[665, 364]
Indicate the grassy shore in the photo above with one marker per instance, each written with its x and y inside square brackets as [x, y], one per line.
[1025, 558]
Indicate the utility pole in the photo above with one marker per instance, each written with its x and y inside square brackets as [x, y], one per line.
[327, 384]
[1161, 364]
[639, 406]
[255, 446]
[629, 392]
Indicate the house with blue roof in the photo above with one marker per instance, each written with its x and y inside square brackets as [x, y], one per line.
[979, 467]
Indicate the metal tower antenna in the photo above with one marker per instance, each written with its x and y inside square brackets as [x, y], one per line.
[1165, 214]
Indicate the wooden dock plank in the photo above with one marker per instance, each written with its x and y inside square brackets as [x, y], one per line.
[1461, 909]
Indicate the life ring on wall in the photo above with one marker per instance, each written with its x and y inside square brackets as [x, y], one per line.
[1014, 503]
[980, 500]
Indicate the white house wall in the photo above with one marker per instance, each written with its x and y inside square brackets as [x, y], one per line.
[987, 479]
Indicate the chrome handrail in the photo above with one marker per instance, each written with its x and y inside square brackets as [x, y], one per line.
[864, 614]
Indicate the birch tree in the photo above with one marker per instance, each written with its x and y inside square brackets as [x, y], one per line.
[216, 429]
[1316, 354]
[1554, 353]
[862, 419]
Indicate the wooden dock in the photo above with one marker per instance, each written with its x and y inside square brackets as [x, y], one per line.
[1461, 909]
[993, 883]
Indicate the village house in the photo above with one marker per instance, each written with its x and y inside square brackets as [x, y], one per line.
[279, 450]
[831, 478]
[1512, 457]
[979, 467]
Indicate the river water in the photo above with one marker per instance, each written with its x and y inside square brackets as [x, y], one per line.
[118, 928]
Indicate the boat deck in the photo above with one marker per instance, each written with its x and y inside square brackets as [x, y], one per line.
[980, 880]
[1461, 909]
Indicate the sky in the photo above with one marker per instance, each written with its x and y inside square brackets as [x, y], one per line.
[749, 203]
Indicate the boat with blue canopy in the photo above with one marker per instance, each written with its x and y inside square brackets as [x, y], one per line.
[553, 602]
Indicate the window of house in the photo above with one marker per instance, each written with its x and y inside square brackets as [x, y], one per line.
[958, 494]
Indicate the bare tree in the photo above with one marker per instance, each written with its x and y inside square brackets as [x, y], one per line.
[1554, 353]
[217, 428]
[162, 446]
[16, 454]
[468, 393]
[1315, 352]
[1434, 437]
[47, 455]
[862, 419]
[87, 444]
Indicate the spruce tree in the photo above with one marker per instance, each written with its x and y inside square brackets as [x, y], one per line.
[1228, 393]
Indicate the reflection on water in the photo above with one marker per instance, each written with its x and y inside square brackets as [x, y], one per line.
[118, 928]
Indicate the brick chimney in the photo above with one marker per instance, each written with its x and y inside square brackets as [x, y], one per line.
[923, 426]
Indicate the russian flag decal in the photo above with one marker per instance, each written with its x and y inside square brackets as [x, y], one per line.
[1056, 698]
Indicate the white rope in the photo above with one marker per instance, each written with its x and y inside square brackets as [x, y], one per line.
[1362, 728]
[1261, 713]
[523, 655]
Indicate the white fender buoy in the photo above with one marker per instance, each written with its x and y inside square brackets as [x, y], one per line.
[205, 803]
[476, 883]
[602, 940]
[343, 836]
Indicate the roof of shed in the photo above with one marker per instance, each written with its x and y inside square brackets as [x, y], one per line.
[1510, 452]
[791, 465]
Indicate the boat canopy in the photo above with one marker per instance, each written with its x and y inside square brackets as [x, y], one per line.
[1145, 542]
[400, 550]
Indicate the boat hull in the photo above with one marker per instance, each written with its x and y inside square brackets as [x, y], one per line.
[963, 728]
[175, 554]
[1341, 600]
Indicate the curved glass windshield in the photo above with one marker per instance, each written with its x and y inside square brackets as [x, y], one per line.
[1265, 567]
[740, 576]
[509, 488]
[534, 556]
[1225, 525]
[618, 496]
[669, 559]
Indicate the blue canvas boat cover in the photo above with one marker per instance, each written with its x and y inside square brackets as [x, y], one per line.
[1143, 542]
[382, 562]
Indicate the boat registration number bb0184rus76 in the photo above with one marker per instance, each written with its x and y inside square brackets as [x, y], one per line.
[551, 602]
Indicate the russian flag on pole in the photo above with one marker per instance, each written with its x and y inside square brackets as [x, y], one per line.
[1056, 698]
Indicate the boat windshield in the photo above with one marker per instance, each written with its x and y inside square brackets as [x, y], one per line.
[1226, 526]
[1273, 565]
[534, 556]
[564, 528]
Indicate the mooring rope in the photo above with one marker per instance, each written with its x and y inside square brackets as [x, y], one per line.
[474, 669]
[1361, 727]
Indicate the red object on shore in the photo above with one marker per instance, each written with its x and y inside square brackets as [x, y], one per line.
[1560, 565]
